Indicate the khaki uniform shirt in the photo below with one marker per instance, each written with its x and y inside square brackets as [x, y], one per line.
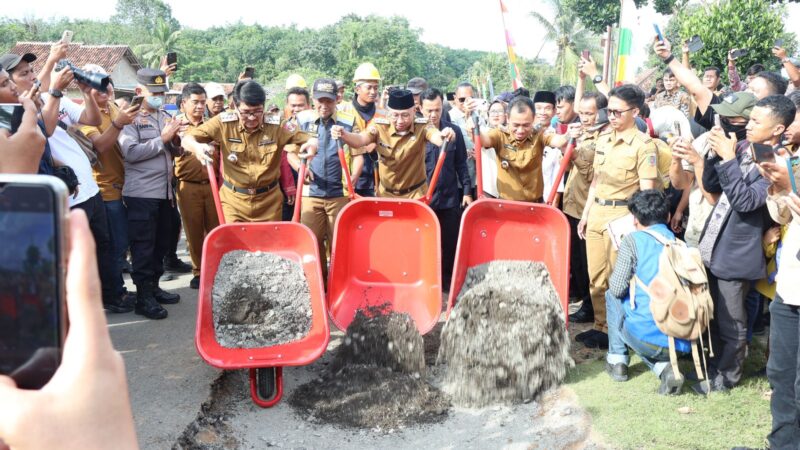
[519, 172]
[250, 160]
[621, 160]
[576, 190]
[402, 158]
[110, 173]
[187, 166]
[678, 99]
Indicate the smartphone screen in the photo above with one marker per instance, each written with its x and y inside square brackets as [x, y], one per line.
[31, 309]
[11, 116]
[249, 72]
[172, 58]
[137, 101]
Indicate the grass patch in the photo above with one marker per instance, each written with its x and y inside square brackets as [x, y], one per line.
[632, 415]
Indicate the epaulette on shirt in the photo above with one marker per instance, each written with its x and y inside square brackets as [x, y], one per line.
[420, 120]
[272, 119]
[382, 121]
[346, 118]
[228, 117]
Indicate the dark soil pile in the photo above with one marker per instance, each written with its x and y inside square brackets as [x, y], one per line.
[259, 300]
[376, 379]
[506, 341]
[210, 430]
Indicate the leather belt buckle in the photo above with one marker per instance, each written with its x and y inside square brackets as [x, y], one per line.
[251, 191]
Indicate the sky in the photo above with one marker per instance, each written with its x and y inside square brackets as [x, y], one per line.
[445, 22]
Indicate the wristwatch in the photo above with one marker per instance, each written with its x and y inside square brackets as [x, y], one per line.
[597, 79]
[55, 93]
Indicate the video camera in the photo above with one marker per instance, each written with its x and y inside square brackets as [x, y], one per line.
[94, 80]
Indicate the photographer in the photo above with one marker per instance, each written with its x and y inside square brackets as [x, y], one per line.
[21, 151]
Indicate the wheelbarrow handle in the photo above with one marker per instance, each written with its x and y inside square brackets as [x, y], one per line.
[298, 196]
[212, 180]
[565, 160]
[436, 172]
[346, 169]
[476, 139]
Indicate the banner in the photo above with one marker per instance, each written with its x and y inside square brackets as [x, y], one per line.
[627, 22]
[516, 77]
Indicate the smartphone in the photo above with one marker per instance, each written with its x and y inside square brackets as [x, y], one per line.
[762, 153]
[676, 126]
[172, 58]
[778, 43]
[738, 53]
[249, 72]
[695, 44]
[11, 116]
[793, 164]
[66, 37]
[585, 55]
[658, 32]
[137, 101]
[33, 228]
[35, 88]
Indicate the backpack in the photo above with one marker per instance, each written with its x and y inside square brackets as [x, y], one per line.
[680, 299]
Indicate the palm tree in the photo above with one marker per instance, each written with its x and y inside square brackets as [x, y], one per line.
[569, 35]
[164, 40]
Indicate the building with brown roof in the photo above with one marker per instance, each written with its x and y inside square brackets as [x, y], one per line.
[118, 61]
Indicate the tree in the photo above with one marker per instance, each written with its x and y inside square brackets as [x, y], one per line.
[596, 15]
[144, 14]
[569, 35]
[164, 40]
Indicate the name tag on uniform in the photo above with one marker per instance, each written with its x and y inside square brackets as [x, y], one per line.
[313, 128]
[510, 147]
[266, 142]
[235, 140]
[384, 145]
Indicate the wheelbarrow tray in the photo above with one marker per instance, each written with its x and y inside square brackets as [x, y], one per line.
[510, 230]
[386, 254]
[293, 241]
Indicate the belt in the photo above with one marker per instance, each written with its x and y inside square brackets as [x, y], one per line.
[250, 191]
[193, 182]
[602, 202]
[404, 191]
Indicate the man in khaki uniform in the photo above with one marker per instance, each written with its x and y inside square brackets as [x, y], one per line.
[625, 161]
[195, 199]
[520, 149]
[400, 145]
[250, 144]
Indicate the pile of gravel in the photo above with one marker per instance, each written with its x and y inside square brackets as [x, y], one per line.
[505, 341]
[259, 300]
[376, 379]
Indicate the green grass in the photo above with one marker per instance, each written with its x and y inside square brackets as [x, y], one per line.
[631, 415]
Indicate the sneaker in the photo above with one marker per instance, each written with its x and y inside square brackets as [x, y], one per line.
[598, 340]
[580, 337]
[164, 297]
[670, 383]
[618, 372]
[195, 283]
[174, 264]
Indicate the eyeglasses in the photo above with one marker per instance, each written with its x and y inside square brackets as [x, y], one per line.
[496, 113]
[251, 114]
[403, 115]
[618, 112]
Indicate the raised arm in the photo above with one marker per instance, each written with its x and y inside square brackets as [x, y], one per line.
[686, 77]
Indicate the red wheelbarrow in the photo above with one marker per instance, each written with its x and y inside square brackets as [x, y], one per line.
[290, 240]
[493, 229]
[386, 256]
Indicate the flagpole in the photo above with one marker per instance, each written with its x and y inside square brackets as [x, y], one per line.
[516, 77]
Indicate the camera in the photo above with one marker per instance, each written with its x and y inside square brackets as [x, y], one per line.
[91, 79]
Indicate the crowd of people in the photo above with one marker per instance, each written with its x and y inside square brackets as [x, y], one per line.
[645, 169]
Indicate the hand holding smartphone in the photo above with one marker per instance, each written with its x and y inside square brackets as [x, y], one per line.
[658, 32]
[11, 116]
[66, 37]
[249, 72]
[762, 153]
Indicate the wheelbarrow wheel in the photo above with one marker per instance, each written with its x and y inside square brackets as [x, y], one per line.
[265, 383]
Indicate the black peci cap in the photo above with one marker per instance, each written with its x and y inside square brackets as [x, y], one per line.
[401, 99]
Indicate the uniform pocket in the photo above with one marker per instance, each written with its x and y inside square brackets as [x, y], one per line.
[267, 152]
[624, 166]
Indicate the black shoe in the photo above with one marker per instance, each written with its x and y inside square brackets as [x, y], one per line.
[195, 283]
[618, 372]
[598, 340]
[585, 314]
[705, 387]
[164, 297]
[580, 337]
[150, 308]
[670, 383]
[174, 264]
[118, 305]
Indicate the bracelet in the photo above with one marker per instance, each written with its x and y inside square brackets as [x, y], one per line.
[669, 59]
[114, 124]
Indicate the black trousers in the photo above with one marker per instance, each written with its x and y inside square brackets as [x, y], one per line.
[150, 232]
[783, 372]
[578, 267]
[728, 329]
[110, 275]
[449, 223]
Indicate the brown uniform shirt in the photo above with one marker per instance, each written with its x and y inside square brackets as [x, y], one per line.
[621, 160]
[187, 166]
[679, 99]
[519, 173]
[250, 160]
[402, 158]
[111, 177]
[576, 191]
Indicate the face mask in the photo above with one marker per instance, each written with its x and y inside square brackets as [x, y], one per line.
[739, 130]
[154, 101]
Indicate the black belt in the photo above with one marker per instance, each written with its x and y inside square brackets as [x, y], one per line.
[403, 191]
[602, 202]
[194, 182]
[250, 191]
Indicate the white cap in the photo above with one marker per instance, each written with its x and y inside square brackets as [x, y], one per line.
[214, 90]
[95, 68]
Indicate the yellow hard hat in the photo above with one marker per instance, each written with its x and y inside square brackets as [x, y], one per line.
[367, 72]
[296, 80]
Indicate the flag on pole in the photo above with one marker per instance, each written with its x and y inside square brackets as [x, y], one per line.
[516, 77]
[627, 22]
